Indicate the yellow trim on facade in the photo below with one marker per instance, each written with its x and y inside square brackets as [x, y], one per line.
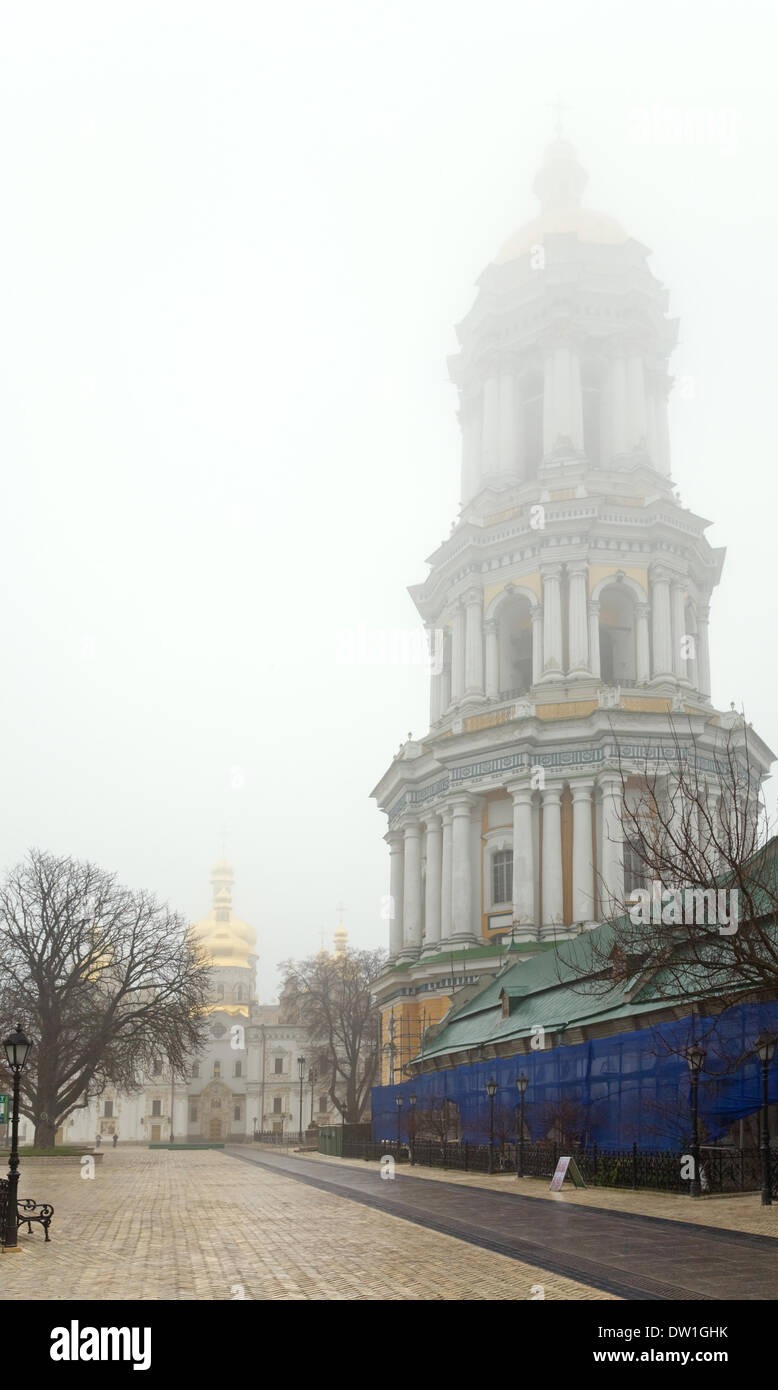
[573, 710]
[646, 703]
[637, 572]
[526, 581]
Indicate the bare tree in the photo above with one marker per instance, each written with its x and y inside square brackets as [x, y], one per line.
[333, 997]
[698, 915]
[107, 981]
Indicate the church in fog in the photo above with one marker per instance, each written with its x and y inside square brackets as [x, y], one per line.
[248, 1078]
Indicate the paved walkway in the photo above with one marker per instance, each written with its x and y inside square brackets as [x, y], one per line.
[156, 1224]
[626, 1253]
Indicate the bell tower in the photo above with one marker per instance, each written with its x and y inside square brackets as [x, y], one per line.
[568, 613]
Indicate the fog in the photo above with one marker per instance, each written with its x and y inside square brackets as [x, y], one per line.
[237, 239]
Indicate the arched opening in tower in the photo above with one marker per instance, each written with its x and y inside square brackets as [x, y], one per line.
[617, 636]
[515, 646]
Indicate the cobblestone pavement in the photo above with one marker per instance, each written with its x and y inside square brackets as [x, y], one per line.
[155, 1224]
[740, 1213]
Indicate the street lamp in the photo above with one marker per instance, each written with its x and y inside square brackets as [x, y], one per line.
[522, 1082]
[695, 1056]
[765, 1046]
[301, 1070]
[399, 1104]
[491, 1091]
[312, 1078]
[412, 1126]
[17, 1047]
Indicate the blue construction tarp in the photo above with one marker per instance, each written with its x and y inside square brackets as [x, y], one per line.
[629, 1088]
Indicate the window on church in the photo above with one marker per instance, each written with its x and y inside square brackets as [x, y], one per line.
[156, 1107]
[193, 1113]
[236, 1112]
[279, 1065]
[217, 1068]
[108, 1109]
[502, 876]
[238, 1069]
[195, 1070]
[157, 1069]
[276, 1105]
[322, 1105]
[590, 401]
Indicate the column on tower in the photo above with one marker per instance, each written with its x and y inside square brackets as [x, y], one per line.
[563, 393]
[578, 644]
[703, 652]
[552, 620]
[395, 840]
[642, 645]
[435, 648]
[536, 616]
[678, 610]
[470, 418]
[446, 858]
[549, 410]
[636, 401]
[490, 426]
[433, 884]
[662, 631]
[474, 647]
[491, 640]
[612, 845]
[412, 887]
[461, 868]
[662, 430]
[524, 868]
[458, 654]
[552, 856]
[652, 437]
[619, 400]
[593, 612]
[576, 402]
[476, 863]
[508, 421]
[583, 869]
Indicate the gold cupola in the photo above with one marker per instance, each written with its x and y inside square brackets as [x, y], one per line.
[227, 940]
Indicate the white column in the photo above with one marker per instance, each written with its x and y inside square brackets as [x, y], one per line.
[678, 606]
[593, 610]
[490, 426]
[474, 647]
[445, 874]
[395, 841]
[619, 399]
[652, 441]
[461, 870]
[432, 901]
[537, 643]
[508, 387]
[549, 414]
[563, 403]
[458, 655]
[470, 416]
[663, 433]
[636, 396]
[643, 664]
[412, 888]
[552, 621]
[612, 849]
[524, 870]
[662, 629]
[476, 866]
[576, 403]
[703, 652]
[583, 869]
[492, 659]
[578, 644]
[552, 857]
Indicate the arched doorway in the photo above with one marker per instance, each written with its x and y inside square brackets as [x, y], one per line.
[618, 662]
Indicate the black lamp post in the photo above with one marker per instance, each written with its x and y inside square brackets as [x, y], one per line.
[412, 1127]
[522, 1082]
[17, 1047]
[695, 1057]
[491, 1091]
[399, 1104]
[301, 1070]
[765, 1046]
[312, 1078]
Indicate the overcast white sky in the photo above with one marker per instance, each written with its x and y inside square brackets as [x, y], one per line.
[237, 238]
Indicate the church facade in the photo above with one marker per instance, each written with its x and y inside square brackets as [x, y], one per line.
[248, 1078]
[567, 615]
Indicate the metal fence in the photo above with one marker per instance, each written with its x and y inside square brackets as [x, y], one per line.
[722, 1169]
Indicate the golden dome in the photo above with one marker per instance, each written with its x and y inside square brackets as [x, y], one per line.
[559, 183]
[226, 939]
